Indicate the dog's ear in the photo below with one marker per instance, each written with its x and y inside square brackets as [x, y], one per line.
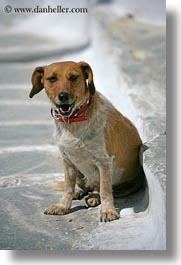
[36, 81]
[88, 74]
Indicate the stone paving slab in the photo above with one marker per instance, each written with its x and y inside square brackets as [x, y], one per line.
[26, 227]
[28, 113]
[26, 54]
[20, 93]
[22, 40]
[26, 135]
[15, 74]
[31, 162]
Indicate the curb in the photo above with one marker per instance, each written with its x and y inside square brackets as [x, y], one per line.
[131, 54]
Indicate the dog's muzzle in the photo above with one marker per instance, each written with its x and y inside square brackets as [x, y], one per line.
[76, 116]
[66, 109]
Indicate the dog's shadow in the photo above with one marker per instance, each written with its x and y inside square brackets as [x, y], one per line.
[77, 208]
[138, 201]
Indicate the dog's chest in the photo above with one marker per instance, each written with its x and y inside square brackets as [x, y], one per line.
[84, 148]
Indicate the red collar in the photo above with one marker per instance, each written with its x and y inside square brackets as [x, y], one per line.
[75, 117]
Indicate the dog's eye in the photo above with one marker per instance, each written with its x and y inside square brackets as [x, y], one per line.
[52, 79]
[73, 77]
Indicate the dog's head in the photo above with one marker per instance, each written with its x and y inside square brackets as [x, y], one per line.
[67, 84]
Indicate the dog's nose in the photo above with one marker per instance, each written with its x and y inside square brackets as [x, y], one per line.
[63, 97]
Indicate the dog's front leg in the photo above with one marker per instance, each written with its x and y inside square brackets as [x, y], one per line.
[63, 206]
[108, 211]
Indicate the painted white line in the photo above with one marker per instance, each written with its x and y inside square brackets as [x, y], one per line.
[33, 176]
[26, 87]
[23, 103]
[30, 148]
[26, 122]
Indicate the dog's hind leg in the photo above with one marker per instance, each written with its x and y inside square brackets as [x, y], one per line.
[79, 193]
[80, 187]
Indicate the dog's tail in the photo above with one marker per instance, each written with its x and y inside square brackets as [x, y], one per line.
[58, 185]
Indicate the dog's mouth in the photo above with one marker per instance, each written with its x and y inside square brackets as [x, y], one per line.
[66, 109]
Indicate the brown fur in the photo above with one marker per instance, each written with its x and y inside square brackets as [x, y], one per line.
[98, 154]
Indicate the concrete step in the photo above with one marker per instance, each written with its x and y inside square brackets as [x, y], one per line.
[42, 34]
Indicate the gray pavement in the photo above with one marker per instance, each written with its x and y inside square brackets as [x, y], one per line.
[131, 55]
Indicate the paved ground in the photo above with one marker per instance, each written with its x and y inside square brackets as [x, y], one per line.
[29, 160]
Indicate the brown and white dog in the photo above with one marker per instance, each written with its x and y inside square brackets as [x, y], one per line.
[99, 146]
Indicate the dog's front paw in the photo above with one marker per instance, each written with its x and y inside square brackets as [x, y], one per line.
[108, 215]
[55, 210]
